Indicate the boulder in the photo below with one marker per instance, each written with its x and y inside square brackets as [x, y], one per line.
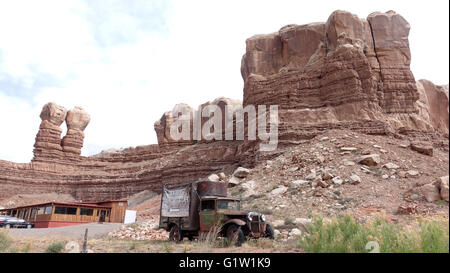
[303, 223]
[299, 183]
[295, 232]
[391, 166]
[348, 149]
[422, 147]
[222, 176]
[337, 180]
[326, 175]
[430, 192]
[443, 187]
[412, 173]
[354, 179]
[369, 160]
[233, 182]
[241, 172]
[278, 191]
[213, 177]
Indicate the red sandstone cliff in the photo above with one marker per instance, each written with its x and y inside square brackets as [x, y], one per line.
[346, 73]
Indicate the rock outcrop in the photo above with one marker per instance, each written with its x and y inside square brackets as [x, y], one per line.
[195, 120]
[77, 119]
[48, 138]
[346, 73]
[433, 105]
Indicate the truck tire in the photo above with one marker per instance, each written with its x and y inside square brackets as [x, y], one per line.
[175, 234]
[234, 232]
[269, 232]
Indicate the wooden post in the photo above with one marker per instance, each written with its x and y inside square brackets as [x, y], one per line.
[84, 250]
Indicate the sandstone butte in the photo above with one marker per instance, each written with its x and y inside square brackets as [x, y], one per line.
[346, 73]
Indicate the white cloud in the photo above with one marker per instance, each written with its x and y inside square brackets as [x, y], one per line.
[128, 62]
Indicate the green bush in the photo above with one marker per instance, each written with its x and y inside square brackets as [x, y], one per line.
[56, 247]
[5, 242]
[347, 235]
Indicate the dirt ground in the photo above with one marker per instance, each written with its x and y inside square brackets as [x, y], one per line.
[69, 232]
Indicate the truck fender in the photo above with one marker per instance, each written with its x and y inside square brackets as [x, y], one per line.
[238, 222]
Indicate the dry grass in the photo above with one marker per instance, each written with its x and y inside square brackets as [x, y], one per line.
[347, 235]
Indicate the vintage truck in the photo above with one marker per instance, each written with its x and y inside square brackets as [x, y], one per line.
[190, 210]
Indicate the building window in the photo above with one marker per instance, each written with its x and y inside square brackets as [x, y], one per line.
[121, 204]
[65, 210]
[107, 213]
[40, 210]
[86, 212]
[33, 213]
[48, 210]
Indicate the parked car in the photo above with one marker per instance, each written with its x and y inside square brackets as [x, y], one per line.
[11, 222]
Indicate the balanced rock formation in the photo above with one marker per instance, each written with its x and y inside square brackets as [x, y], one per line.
[48, 138]
[77, 119]
[163, 125]
[195, 122]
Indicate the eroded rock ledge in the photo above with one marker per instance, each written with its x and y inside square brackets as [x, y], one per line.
[346, 73]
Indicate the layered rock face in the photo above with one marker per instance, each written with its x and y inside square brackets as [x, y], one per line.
[348, 73]
[195, 121]
[345, 73]
[48, 138]
[77, 119]
[433, 105]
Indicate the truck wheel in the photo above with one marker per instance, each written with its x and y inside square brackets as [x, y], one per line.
[175, 234]
[269, 232]
[28, 226]
[234, 232]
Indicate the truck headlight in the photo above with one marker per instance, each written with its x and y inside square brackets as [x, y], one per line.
[249, 216]
[263, 217]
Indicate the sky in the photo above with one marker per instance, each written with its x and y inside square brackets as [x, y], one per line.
[127, 62]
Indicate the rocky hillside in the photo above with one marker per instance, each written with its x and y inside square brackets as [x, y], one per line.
[347, 75]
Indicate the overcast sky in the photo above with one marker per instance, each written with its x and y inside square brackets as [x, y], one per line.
[126, 62]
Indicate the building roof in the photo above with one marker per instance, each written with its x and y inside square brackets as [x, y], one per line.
[89, 204]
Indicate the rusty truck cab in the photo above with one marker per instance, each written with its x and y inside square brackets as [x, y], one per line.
[213, 210]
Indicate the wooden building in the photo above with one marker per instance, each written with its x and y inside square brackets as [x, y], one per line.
[56, 214]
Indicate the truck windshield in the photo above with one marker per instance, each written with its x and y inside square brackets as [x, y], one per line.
[229, 204]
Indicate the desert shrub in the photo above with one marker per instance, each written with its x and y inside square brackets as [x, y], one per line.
[347, 235]
[288, 221]
[5, 241]
[267, 211]
[210, 239]
[434, 235]
[56, 247]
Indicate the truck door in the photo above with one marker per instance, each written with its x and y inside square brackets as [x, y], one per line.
[207, 214]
